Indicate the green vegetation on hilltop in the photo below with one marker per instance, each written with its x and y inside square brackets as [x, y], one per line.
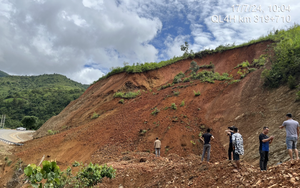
[3, 74]
[41, 96]
[286, 61]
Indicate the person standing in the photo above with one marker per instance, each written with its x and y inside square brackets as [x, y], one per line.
[157, 146]
[230, 148]
[292, 134]
[238, 147]
[264, 142]
[206, 148]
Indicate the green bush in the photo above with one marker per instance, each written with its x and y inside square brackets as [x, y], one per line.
[186, 80]
[287, 59]
[173, 106]
[95, 115]
[93, 174]
[234, 81]
[76, 163]
[292, 83]
[298, 96]
[121, 101]
[197, 93]
[194, 67]
[243, 64]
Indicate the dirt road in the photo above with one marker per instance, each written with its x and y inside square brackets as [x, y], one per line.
[15, 136]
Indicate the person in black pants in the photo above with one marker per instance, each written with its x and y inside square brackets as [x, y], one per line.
[230, 148]
[264, 142]
[206, 141]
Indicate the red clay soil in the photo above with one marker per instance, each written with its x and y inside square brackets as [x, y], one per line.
[130, 127]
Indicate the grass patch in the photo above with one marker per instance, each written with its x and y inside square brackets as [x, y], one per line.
[129, 95]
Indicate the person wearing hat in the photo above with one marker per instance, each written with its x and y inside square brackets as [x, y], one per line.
[292, 134]
[229, 133]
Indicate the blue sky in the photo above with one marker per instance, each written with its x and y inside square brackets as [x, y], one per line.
[84, 39]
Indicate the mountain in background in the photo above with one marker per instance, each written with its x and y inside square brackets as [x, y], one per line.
[3, 74]
[41, 96]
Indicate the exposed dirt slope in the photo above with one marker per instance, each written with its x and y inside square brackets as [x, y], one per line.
[246, 105]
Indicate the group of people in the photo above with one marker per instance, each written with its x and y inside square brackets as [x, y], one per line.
[236, 147]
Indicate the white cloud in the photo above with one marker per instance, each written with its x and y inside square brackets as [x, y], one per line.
[47, 36]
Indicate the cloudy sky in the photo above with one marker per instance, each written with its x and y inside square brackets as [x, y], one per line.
[84, 39]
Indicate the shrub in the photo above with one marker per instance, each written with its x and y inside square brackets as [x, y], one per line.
[50, 132]
[93, 174]
[121, 101]
[176, 80]
[194, 67]
[197, 93]
[298, 96]
[193, 142]
[186, 80]
[292, 82]
[182, 103]
[155, 111]
[176, 93]
[173, 106]
[95, 115]
[75, 164]
[243, 64]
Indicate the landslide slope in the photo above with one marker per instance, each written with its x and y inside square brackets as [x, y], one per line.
[122, 128]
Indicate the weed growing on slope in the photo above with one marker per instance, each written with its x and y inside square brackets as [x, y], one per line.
[176, 93]
[129, 95]
[95, 115]
[121, 101]
[173, 106]
[155, 111]
[197, 93]
[182, 103]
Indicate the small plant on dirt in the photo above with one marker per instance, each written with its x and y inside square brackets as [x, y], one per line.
[76, 163]
[121, 101]
[182, 103]
[176, 93]
[169, 127]
[144, 131]
[234, 81]
[173, 106]
[243, 64]
[95, 115]
[200, 134]
[50, 132]
[185, 116]
[197, 93]
[193, 142]
[18, 164]
[156, 110]
[154, 93]
[166, 108]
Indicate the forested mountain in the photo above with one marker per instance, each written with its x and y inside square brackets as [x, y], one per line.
[41, 96]
[3, 74]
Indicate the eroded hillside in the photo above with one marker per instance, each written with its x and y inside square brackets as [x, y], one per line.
[131, 127]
